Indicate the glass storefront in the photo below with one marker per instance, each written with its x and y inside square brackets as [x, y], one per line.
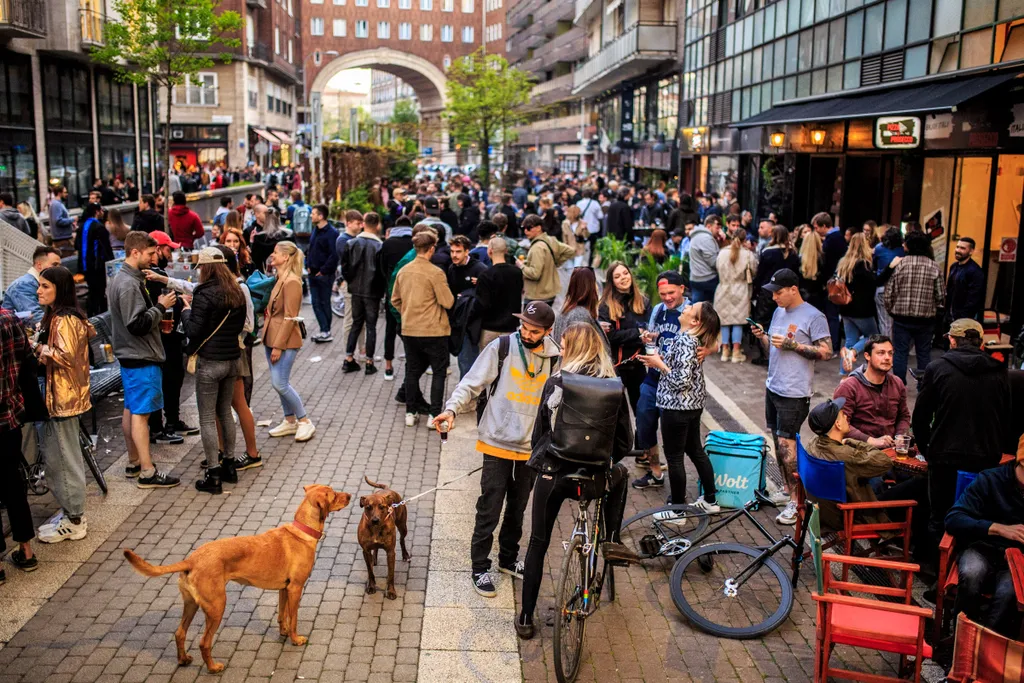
[17, 141]
[115, 111]
[68, 115]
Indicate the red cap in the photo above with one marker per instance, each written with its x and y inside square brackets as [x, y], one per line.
[163, 239]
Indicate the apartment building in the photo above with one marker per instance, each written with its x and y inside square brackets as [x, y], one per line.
[386, 90]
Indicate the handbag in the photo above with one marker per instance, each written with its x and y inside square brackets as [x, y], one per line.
[193, 359]
[838, 293]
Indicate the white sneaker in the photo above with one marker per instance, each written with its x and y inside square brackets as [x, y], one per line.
[702, 504]
[411, 419]
[788, 516]
[430, 371]
[778, 497]
[304, 431]
[65, 530]
[52, 522]
[430, 418]
[286, 428]
[672, 517]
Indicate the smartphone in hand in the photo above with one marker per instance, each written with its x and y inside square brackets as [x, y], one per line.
[754, 323]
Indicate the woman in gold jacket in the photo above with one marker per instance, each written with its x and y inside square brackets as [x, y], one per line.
[63, 348]
[282, 339]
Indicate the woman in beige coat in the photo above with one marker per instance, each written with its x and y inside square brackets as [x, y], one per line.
[736, 268]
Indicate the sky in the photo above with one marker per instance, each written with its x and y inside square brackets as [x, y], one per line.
[351, 80]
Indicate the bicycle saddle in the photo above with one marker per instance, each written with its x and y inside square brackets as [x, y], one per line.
[581, 475]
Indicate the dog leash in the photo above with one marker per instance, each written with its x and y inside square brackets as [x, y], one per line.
[439, 486]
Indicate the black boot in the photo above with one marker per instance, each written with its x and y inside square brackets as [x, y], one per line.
[228, 473]
[211, 482]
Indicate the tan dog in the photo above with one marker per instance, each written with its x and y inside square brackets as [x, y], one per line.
[280, 559]
[377, 530]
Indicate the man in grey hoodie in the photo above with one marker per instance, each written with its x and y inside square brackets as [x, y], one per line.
[135, 333]
[703, 258]
[9, 213]
[513, 385]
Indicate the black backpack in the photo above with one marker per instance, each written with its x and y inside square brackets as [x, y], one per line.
[584, 429]
[504, 344]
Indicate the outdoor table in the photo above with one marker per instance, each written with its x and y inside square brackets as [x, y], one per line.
[911, 465]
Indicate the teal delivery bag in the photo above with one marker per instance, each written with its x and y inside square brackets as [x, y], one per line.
[739, 461]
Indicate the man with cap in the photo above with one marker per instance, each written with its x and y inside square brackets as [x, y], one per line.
[508, 376]
[797, 336]
[861, 461]
[962, 417]
[987, 520]
[433, 208]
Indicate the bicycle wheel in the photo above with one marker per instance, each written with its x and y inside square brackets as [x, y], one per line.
[703, 589]
[649, 538]
[570, 626]
[89, 453]
[35, 477]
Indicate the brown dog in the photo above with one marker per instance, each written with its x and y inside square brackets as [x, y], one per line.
[280, 559]
[377, 530]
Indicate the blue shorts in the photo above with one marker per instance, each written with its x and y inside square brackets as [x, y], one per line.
[143, 389]
[647, 417]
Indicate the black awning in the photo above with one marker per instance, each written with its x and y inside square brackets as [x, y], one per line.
[932, 97]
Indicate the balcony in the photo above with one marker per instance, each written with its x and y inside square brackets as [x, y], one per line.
[570, 46]
[261, 52]
[585, 10]
[256, 4]
[92, 23]
[552, 91]
[22, 19]
[634, 52]
[552, 11]
[563, 129]
[519, 15]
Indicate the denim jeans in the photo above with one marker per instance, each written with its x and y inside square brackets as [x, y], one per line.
[857, 331]
[364, 316]
[65, 466]
[703, 291]
[732, 334]
[920, 333]
[215, 386]
[884, 319]
[320, 298]
[280, 374]
[984, 571]
[467, 356]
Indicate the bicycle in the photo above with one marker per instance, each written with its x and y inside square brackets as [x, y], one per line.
[34, 472]
[578, 594]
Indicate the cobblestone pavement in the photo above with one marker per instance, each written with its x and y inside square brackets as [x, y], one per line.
[642, 636]
[108, 623]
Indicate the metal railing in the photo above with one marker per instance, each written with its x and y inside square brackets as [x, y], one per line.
[92, 23]
[553, 84]
[260, 52]
[25, 17]
[657, 40]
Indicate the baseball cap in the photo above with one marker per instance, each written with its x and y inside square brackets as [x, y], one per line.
[824, 415]
[431, 206]
[211, 255]
[537, 313]
[164, 240]
[962, 326]
[671, 277]
[783, 278]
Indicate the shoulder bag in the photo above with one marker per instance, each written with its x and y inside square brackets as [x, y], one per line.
[193, 359]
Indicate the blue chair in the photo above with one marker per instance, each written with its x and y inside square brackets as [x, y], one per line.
[826, 480]
[963, 480]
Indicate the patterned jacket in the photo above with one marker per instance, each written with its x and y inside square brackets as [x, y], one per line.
[916, 289]
[13, 349]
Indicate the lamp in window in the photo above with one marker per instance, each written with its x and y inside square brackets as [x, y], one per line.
[818, 137]
[777, 139]
[660, 146]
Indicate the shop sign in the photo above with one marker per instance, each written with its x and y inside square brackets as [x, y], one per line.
[626, 125]
[897, 132]
[1008, 250]
[1016, 128]
[938, 127]
[221, 118]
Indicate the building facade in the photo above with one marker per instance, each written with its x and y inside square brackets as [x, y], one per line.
[386, 90]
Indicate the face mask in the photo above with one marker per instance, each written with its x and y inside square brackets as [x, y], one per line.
[532, 345]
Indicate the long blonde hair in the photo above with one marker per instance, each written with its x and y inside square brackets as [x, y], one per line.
[572, 213]
[858, 251]
[810, 255]
[583, 352]
[295, 256]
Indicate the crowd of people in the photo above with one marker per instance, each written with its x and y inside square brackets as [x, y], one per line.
[509, 284]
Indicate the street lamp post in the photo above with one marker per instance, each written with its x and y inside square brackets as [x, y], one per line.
[316, 125]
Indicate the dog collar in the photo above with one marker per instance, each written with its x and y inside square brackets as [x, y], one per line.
[309, 531]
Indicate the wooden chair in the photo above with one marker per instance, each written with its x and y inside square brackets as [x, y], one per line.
[860, 622]
[981, 655]
[826, 480]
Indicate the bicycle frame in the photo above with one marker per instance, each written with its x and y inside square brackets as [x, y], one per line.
[590, 538]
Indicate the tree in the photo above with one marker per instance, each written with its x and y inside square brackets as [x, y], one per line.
[406, 124]
[163, 42]
[486, 100]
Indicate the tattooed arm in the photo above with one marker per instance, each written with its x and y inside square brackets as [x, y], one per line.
[819, 349]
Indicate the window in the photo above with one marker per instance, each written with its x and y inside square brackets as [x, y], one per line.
[254, 93]
[362, 3]
[426, 32]
[290, 55]
[426, 5]
[339, 2]
[873, 26]
[277, 40]
[405, 31]
[467, 34]
[340, 28]
[201, 89]
[362, 28]
[447, 62]
[404, 4]
[920, 20]
[467, 6]
[895, 23]
[189, 32]
[383, 29]
[447, 34]
[947, 17]
[316, 26]
[854, 34]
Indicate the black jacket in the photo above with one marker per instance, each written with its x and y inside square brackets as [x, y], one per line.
[262, 245]
[148, 221]
[993, 498]
[625, 340]
[513, 222]
[592, 425]
[862, 289]
[459, 276]
[962, 415]
[468, 223]
[359, 267]
[209, 308]
[774, 259]
[834, 248]
[499, 296]
[392, 251]
[813, 291]
[619, 221]
[965, 291]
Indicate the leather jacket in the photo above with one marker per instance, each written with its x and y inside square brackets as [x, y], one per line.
[582, 420]
[360, 266]
[67, 366]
